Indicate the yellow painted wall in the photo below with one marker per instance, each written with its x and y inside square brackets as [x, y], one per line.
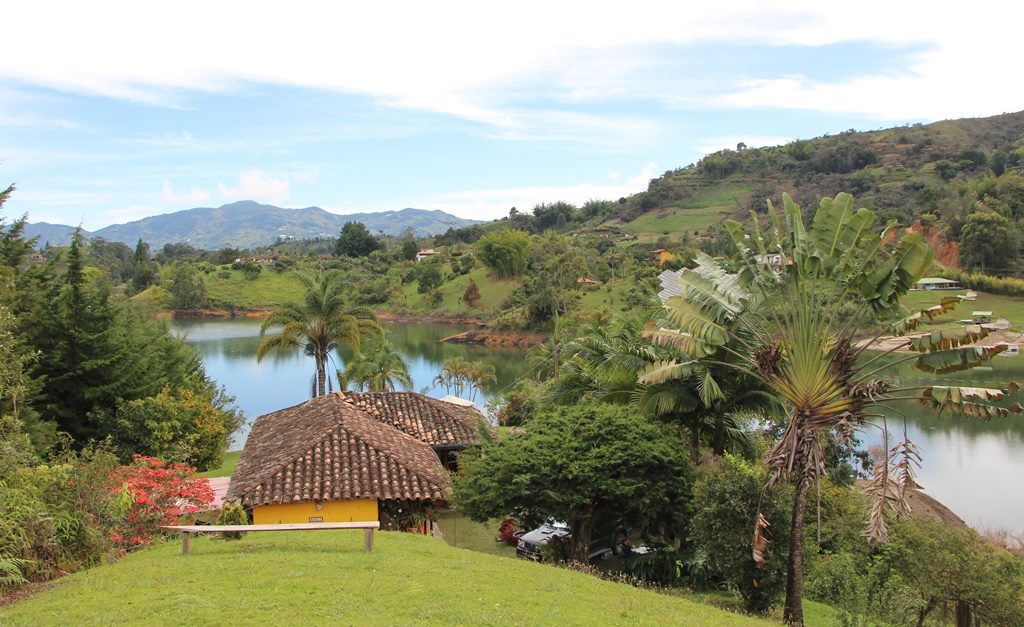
[663, 257]
[354, 510]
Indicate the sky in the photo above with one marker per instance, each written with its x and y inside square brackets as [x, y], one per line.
[114, 111]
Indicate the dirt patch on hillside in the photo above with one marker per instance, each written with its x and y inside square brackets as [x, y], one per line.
[493, 338]
[924, 507]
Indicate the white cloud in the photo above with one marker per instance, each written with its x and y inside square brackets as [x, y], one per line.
[257, 185]
[167, 140]
[193, 196]
[458, 59]
[488, 204]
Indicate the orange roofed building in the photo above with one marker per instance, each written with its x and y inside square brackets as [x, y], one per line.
[349, 457]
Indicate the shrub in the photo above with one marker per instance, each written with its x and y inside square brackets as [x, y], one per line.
[726, 499]
[663, 567]
[507, 531]
[837, 580]
[948, 570]
[151, 493]
[232, 514]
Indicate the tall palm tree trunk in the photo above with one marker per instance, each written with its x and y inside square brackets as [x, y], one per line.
[321, 375]
[793, 613]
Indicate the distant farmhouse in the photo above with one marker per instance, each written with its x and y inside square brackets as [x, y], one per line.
[934, 283]
[350, 456]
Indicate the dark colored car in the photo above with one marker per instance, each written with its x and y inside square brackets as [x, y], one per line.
[608, 538]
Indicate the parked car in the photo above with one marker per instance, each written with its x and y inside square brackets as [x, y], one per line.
[608, 538]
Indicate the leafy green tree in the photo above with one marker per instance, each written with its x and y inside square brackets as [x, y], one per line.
[379, 367]
[143, 270]
[430, 279]
[506, 252]
[728, 490]
[188, 291]
[796, 327]
[252, 269]
[409, 249]
[319, 325]
[176, 426]
[988, 243]
[576, 464]
[951, 569]
[356, 241]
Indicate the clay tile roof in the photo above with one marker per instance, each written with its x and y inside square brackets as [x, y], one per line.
[326, 449]
[427, 419]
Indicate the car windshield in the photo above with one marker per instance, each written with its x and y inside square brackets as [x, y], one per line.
[558, 524]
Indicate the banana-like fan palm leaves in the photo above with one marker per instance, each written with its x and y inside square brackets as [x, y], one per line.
[320, 324]
[793, 329]
[378, 368]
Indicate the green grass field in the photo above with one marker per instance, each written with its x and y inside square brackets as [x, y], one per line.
[492, 293]
[1009, 307]
[705, 208]
[270, 289]
[325, 578]
[227, 468]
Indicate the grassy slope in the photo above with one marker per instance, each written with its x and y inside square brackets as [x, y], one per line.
[1009, 307]
[270, 289]
[226, 468]
[709, 205]
[324, 577]
[492, 293]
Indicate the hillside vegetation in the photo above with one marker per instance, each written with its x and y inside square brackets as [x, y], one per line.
[325, 578]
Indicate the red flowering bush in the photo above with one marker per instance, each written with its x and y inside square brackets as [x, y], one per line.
[151, 493]
[509, 532]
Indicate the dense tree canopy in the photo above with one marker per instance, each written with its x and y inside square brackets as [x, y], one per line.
[356, 241]
[505, 251]
[574, 464]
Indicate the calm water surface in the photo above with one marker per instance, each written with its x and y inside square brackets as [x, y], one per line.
[228, 349]
[975, 467]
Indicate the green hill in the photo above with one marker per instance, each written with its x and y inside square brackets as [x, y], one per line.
[939, 173]
[325, 578]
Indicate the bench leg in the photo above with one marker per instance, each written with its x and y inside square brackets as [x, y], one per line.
[186, 538]
[368, 539]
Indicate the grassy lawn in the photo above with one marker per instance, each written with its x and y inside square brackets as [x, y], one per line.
[227, 468]
[270, 289]
[492, 293]
[325, 578]
[464, 533]
[606, 295]
[704, 208]
[1009, 307]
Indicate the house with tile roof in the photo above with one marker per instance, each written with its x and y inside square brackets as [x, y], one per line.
[348, 457]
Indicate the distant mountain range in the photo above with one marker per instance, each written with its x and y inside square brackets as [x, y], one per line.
[247, 224]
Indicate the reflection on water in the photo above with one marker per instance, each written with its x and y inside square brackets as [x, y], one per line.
[228, 349]
[971, 465]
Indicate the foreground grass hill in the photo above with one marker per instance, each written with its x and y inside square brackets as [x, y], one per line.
[325, 578]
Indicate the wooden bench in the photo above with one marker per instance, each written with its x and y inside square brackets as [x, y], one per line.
[187, 530]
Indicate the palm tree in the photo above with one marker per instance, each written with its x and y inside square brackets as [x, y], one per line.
[792, 328]
[480, 377]
[319, 325]
[379, 368]
[604, 362]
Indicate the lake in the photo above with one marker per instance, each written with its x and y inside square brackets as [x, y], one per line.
[228, 349]
[973, 466]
